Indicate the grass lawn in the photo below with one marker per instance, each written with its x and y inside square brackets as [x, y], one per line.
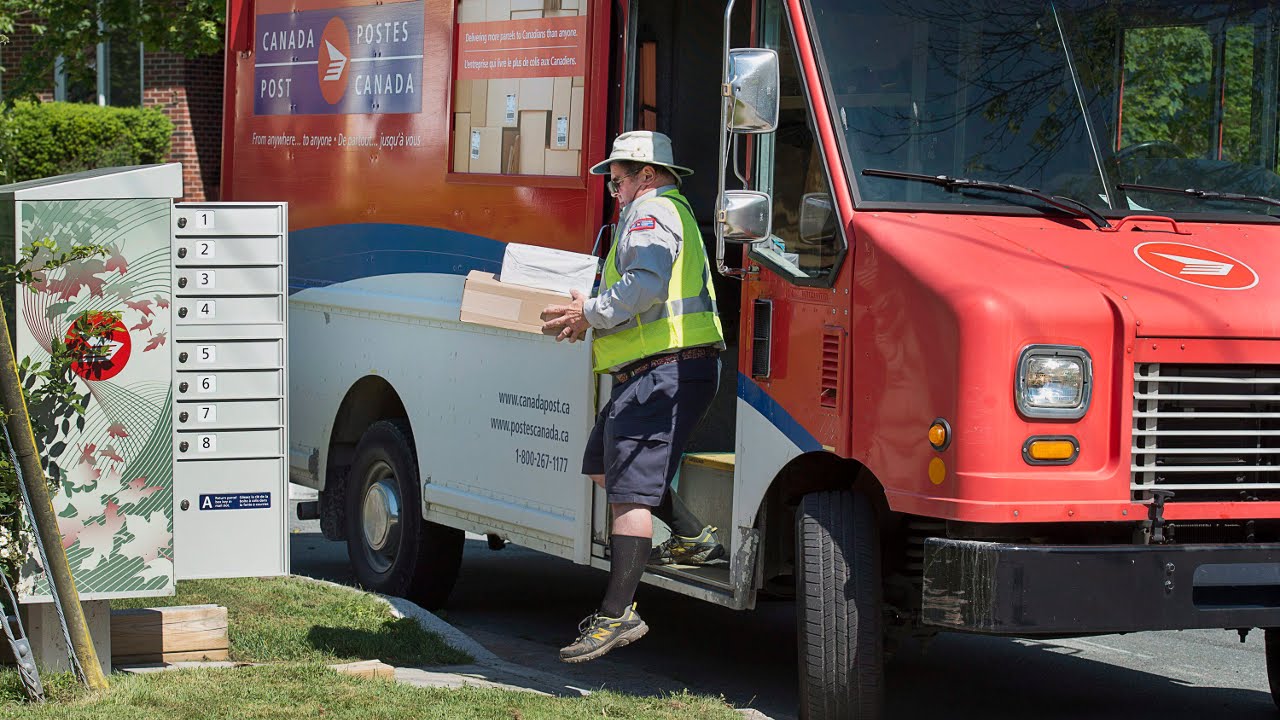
[280, 619]
[299, 627]
[309, 691]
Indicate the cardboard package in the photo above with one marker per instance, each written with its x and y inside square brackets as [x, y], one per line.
[549, 269]
[470, 11]
[462, 142]
[561, 105]
[497, 10]
[533, 142]
[510, 150]
[485, 150]
[575, 119]
[479, 96]
[504, 103]
[487, 301]
[462, 96]
[562, 162]
[537, 93]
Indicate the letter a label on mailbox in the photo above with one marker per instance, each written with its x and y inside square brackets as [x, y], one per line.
[236, 501]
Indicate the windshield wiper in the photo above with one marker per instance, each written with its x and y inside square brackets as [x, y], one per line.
[1071, 206]
[1202, 194]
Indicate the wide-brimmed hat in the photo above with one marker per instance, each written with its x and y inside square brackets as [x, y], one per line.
[642, 146]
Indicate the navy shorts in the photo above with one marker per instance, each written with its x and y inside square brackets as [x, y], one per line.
[640, 434]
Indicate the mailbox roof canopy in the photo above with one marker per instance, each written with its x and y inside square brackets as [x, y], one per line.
[118, 183]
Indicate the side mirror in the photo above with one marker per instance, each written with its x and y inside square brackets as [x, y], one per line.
[747, 216]
[817, 218]
[753, 86]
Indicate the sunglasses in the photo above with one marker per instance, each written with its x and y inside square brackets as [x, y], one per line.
[613, 184]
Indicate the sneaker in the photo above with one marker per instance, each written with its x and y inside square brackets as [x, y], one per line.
[688, 550]
[599, 634]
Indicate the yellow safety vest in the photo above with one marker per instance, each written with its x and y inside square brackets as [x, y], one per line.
[688, 318]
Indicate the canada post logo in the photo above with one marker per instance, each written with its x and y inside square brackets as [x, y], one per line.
[1196, 265]
[335, 56]
[342, 60]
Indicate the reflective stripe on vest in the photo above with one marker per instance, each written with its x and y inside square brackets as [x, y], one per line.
[687, 319]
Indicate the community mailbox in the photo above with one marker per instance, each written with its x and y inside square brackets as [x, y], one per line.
[140, 501]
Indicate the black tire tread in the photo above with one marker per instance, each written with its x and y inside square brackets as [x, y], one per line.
[838, 600]
[426, 575]
[1271, 642]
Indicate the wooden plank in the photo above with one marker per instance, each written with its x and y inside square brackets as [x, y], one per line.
[716, 460]
[367, 669]
[172, 657]
[153, 632]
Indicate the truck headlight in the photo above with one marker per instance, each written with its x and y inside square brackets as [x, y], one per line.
[1053, 381]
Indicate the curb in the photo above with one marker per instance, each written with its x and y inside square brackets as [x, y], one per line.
[489, 669]
[534, 680]
[401, 608]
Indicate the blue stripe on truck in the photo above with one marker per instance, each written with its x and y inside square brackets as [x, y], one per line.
[331, 254]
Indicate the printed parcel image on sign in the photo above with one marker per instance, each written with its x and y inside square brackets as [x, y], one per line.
[519, 72]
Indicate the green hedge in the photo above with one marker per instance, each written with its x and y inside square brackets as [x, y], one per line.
[55, 138]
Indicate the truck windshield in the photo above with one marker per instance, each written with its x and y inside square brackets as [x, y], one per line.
[1085, 99]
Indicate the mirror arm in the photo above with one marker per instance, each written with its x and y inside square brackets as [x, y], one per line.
[736, 168]
[726, 98]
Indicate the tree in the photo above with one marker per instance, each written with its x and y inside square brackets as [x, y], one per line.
[71, 28]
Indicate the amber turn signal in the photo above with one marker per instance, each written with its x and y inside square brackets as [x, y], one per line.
[940, 434]
[1056, 450]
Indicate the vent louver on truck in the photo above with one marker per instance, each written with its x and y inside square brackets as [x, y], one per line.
[832, 342]
[1209, 433]
[761, 338]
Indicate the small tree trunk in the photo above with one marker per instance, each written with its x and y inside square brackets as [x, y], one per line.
[59, 571]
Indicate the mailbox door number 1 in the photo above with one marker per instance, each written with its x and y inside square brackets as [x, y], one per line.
[204, 220]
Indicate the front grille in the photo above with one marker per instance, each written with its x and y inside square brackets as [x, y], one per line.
[1209, 433]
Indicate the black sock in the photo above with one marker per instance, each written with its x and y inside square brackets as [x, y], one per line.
[677, 515]
[627, 558]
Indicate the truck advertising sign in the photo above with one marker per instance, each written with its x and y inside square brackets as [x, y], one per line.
[340, 60]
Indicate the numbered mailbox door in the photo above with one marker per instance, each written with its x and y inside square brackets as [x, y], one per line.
[204, 355]
[214, 251]
[197, 281]
[230, 519]
[206, 310]
[230, 385]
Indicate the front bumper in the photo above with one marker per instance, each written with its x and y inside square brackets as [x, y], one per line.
[1008, 589]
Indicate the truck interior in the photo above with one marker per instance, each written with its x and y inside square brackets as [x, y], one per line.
[670, 80]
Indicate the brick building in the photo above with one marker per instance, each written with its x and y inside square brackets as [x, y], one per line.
[188, 91]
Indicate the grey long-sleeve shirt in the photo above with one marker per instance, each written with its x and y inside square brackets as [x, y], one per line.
[647, 249]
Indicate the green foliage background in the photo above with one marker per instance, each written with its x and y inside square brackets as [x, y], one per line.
[70, 28]
[46, 139]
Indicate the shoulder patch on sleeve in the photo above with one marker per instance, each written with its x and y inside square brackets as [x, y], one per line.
[644, 223]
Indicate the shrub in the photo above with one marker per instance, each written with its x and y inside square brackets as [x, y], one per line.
[47, 139]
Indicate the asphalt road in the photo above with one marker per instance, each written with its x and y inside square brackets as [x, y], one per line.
[523, 606]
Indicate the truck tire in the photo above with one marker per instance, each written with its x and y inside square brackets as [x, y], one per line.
[838, 607]
[1271, 638]
[393, 550]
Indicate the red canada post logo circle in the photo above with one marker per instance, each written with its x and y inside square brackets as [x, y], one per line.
[99, 344]
[334, 57]
[1196, 265]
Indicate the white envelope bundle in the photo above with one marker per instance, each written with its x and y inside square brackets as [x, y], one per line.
[547, 269]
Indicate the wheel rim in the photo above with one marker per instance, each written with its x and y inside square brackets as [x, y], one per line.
[380, 517]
